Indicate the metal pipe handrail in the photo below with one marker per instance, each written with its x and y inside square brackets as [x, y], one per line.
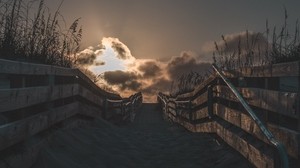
[114, 101]
[164, 101]
[279, 146]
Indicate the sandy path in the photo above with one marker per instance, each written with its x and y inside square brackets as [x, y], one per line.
[147, 142]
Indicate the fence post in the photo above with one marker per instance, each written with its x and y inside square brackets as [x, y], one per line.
[167, 108]
[210, 101]
[190, 111]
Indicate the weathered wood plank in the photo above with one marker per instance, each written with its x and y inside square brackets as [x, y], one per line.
[185, 114]
[200, 99]
[27, 153]
[275, 70]
[241, 144]
[200, 114]
[87, 94]
[24, 68]
[91, 84]
[276, 101]
[249, 150]
[172, 111]
[12, 99]
[286, 69]
[198, 88]
[208, 127]
[228, 114]
[288, 137]
[189, 126]
[15, 132]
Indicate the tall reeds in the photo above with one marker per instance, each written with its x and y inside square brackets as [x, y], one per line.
[36, 36]
[187, 83]
[260, 48]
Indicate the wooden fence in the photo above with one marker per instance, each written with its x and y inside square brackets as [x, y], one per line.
[273, 93]
[35, 99]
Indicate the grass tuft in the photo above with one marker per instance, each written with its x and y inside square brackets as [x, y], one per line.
[37, 37]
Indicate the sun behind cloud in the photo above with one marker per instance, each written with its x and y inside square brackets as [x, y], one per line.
[114, 54]
[124, 73]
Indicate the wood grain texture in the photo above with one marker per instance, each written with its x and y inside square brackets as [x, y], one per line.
[200, 99]
[24, 68]
[15, 132]
[12, 99]
[288, 137]
[252, 152]
[276, 101]
[275, 70]
[200, 114]
[91, 96]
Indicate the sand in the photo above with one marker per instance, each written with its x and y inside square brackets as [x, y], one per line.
[149, 141]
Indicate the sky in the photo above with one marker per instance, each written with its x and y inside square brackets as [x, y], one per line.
[154, 41]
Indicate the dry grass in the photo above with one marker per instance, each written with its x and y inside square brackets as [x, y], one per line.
[37, 37]
[281, 46]
[186, 83]
[253, 49]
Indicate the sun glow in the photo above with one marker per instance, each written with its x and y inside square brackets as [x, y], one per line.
[111, 59]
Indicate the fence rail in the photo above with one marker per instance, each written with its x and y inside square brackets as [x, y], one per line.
[212, 107]
[36, 98]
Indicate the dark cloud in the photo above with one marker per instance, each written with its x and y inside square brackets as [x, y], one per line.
[99, 63]
[133, 85]
[246, 47]
[118, 77]
[125, 80]
[159, 85]
[184, 64]
[120, 49]
[150, 69]
[250, 40]
[86, 57]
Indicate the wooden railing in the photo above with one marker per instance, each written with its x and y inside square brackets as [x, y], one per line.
[273, 93]
[36, 98]
[125, 108]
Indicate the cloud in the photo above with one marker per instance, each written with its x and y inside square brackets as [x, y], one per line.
[186, 63]
[120, 48]
[247, 41]
[150, 69]
[88, 56]
[124, 80]
[99, 63]
[250, 40]
[150, 92]
[146, 75]
[245, 47]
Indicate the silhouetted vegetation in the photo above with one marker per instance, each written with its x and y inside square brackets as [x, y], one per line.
[36, 37]
[187, 83]
[97, 79]
[251, 49]
[280, 46]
